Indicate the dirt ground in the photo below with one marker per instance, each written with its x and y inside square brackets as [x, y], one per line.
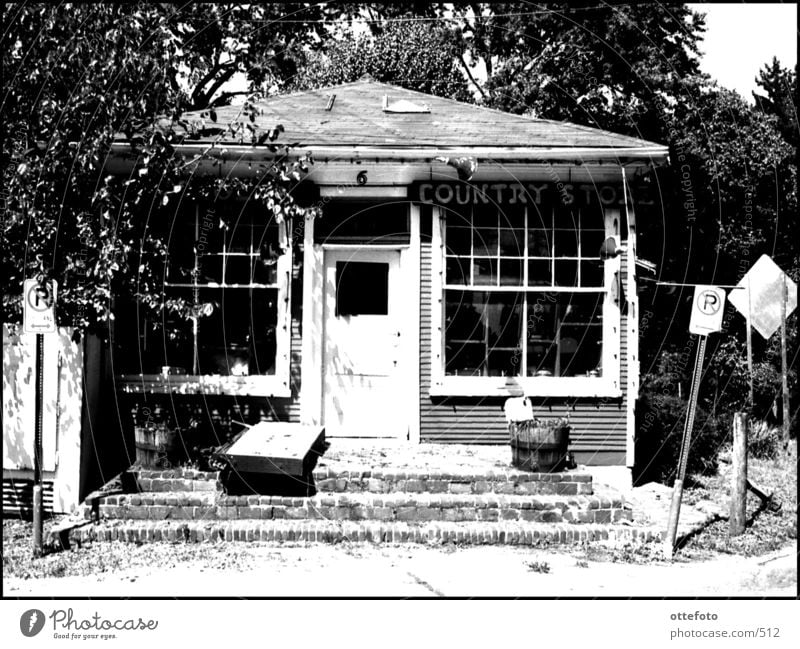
[403, 571]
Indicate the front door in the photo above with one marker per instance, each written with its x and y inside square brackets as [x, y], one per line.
[363, 350]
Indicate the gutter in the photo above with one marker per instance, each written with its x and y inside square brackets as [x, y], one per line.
[245, 153]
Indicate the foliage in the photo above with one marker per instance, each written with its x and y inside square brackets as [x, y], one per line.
[595, 65]
[77, 75]
[661, 420]
[763, 440]
[418, 56]
[780, 98]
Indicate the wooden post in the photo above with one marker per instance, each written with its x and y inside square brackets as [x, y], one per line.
[739, 475]
[784, 379]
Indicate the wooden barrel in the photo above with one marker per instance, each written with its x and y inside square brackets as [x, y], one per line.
[154, 446]
[539, 445]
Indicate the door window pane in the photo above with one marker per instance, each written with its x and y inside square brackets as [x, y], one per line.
[362, 288]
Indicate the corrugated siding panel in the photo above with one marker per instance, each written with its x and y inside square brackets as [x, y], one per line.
[18, 496]
[597, 424]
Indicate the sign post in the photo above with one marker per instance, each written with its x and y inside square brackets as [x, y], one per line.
[38, 317]
[707, 309]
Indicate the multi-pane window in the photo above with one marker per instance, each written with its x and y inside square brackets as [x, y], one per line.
[234, 280]
[524, 291]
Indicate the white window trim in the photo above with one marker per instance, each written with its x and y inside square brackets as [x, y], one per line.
[606, 386]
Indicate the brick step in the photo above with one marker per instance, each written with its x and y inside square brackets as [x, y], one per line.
[364, 506]
[501, 481]
[505, 482]
[170, 480]
[486, 533]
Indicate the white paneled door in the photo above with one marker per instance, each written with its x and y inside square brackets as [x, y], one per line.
[363, 363]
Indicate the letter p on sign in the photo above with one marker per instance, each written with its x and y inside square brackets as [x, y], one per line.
[707, 309]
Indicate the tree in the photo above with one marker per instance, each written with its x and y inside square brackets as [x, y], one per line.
[416, 55]
[76, 76]
[780, 86]
[601, 66]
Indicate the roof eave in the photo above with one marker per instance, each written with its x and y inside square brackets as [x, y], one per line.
[651, 154]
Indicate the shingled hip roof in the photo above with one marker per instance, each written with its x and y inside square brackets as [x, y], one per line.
[370, 116]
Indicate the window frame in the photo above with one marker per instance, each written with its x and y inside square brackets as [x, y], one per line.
[262, 385]
[607, 386]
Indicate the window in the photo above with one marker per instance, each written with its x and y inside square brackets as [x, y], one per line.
[524, 294]
[235, 280]
[349, 222]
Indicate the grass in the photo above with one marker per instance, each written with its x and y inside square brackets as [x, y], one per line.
[766, 530]
[98, 558]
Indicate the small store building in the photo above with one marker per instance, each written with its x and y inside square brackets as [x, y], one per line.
[462, 256]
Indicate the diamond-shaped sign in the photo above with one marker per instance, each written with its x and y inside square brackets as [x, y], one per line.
[762, 292]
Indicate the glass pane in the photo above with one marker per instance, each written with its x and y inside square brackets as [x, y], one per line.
[210, 269]
[591, 240]
[592, 273]
[239, 236]
[566, 243]
[511, 272]
[566, 218]
[484, 272]
[503, 362]
[484, 242]
[541, 317]
[512, 216]
[237, 269]
[541, 358]
[581, 336]
[504, 319]
[457, 270]
[485, 216]
[539, 272]
[512, 242]
[464, 316]
[265, 271]
[539, 243]
[236, 332]
[566, 272]
[464, 358]
[362, 288]
[465, 346]
[458, 240]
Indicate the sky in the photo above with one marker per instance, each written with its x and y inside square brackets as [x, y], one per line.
[741, 38]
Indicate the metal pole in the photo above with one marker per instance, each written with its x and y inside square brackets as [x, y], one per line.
[784, 378]
[37, 449]
[749, 346]
[677, 490]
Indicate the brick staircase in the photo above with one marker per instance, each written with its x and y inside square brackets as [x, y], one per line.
[502, 506]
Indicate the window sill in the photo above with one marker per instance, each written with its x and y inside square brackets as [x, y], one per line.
[570, 386]
[257, 386]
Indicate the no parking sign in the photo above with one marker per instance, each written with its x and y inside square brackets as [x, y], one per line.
[39, 307]
[707, 309]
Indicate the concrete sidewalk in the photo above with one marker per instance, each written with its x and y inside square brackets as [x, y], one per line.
[396, 571]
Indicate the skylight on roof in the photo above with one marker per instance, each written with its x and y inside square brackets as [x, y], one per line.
[404, 106]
